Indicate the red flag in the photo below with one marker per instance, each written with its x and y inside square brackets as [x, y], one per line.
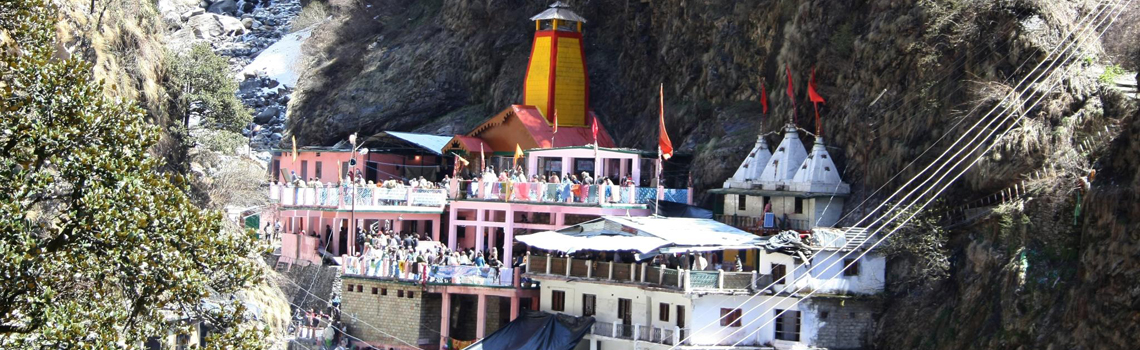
[763, 97]
[594, 129]
[664, 146]
[814, 96]
[791, 90]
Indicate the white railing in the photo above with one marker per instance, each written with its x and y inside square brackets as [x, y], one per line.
[365, 197]
[639, 332]
[387, 268]
[567, 193]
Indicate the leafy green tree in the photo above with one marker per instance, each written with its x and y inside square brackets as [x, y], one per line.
[199, 83]
[97, 249]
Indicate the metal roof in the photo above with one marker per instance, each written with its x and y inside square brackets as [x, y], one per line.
[559, 10]
[430, 142]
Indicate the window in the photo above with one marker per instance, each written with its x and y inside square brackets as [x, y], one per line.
[317, 170]
[663, 312]
[359, 288]
[589, 305]
[375, 290]
[852, 269]
[779, 271]
[625, 313]
[788, 325]
[344, 169]
[277, 169]
[730, 317]
[823, 315]
[349, 289]
[304, 170]
[411, 294]
[400, 293]
[383, 291]
[741, 202]
[799, 205]
[557, 300]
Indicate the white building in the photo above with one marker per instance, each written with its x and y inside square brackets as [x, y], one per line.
[656, 304]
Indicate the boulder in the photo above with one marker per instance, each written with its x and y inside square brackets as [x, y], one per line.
[247, 22]
[247, 6]
[193, 12]
[209, 25]
[266, 115]
[226, 7]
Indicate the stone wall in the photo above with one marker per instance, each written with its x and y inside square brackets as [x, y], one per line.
[843, 323]
[401, 310]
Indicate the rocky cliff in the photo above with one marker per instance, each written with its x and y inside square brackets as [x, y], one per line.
[897, 75]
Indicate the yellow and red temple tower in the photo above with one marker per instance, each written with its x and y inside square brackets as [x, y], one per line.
[556, 78]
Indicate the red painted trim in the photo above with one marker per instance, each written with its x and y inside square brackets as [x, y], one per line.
[553, 75]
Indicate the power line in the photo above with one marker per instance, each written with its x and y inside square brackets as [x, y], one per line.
[350, 314]
[944, 187]
[944, 153]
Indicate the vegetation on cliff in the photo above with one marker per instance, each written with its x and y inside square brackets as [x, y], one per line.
[99, 249]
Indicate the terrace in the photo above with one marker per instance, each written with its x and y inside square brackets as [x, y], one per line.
[554, 193]
[370, 198]
[643, 274]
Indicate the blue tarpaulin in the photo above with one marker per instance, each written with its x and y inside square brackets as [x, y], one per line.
[536, 330]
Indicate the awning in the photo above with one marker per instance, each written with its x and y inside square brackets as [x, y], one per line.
[569, 243]
[645, 235]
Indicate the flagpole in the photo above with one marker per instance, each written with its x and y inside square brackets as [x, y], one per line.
[657, 191]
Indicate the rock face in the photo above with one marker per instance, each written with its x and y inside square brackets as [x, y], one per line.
[897, 77]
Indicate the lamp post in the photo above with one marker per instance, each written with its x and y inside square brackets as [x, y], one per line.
[352, 213]
[252, 131]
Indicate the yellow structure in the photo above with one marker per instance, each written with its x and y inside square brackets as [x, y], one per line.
[556, 78]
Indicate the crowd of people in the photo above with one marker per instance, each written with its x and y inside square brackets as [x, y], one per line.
[515, 183]
[357, 178]
[388, 254]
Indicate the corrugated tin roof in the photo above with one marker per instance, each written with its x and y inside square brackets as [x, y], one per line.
[431, 142]
[559, 10]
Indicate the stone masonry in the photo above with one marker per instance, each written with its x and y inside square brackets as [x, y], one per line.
[390, 313]
[844, 324]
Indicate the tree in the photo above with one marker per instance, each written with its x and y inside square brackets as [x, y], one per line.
[97, 248]
[199, 85]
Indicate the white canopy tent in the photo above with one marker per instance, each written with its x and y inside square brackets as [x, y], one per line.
[645, 235]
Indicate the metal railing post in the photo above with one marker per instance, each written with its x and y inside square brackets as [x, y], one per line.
[719, 279]
[548, 264]
[589, 268]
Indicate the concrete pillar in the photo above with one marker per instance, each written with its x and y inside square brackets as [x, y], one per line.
[435, 223]
[514, 306]
[445, 321]
[492, 241]
[534, 303]
[481, 322]
[479, 218]
[567, 167]
[337, 224]
[559, 219]
[509, 238]
[623, 169]
[398, 225]
[452, 234]
[636, 172]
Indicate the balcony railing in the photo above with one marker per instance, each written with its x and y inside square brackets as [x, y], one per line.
[644, 274]
[365, 197]
[567, 193]
[384, 268]
[640, 332]
[759, 226]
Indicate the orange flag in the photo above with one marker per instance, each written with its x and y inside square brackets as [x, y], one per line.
[555, 121]
[664, 145]
[518, 154]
